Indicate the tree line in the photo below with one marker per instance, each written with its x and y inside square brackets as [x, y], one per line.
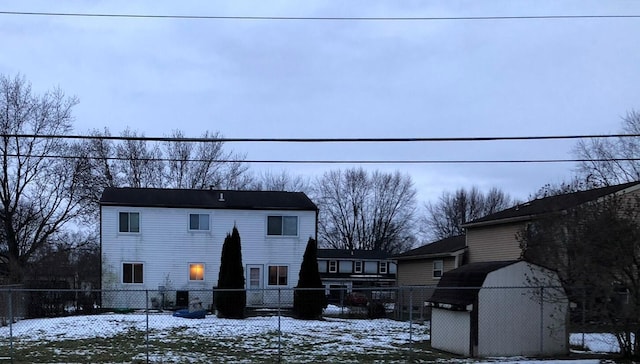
[51, 203]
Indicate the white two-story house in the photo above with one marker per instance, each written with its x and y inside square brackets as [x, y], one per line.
[169, 241]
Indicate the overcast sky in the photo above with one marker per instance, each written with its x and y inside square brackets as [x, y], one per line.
[326, 79]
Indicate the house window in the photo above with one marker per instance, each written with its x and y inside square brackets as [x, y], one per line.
[383, 267]
[196, 272]
[198, 221]
[357, 266]
[129, 222]
[132, 273]
[333, 266]
[282, 225]
[438, 268]
[278, 275]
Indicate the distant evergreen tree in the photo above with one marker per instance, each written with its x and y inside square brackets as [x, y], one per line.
[309, 299]
[231, 304]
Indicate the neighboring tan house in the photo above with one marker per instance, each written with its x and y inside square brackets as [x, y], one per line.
[420, 270]
[494, 237]
[425, 265]
[344, 271]
[169, 241]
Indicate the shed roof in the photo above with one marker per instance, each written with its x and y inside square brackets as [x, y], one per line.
[459, 287]
[352, 254]
[442, 247]
[551, 204]
[207, 199]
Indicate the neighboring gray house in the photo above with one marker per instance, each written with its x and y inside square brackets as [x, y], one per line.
[154, 239]
[345, 270]
[487, 316]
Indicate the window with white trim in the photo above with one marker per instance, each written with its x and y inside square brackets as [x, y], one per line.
[383, 267]
[198, 221]
[278, 275]
[129, 222]
[357, 266]
[196, 271]
[333, 266]
[282, 225]
[438, 268]
[132, 273]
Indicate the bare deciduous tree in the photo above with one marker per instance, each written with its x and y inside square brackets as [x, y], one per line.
[445, 218]
[607, 162]
[361, 210]
[595, 249]
[283, 181]
[38, 194]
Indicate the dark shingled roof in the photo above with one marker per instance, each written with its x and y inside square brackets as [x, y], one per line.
[208, 199]
[459, 287]
[552, 204]
[352, 254]
[440, 247]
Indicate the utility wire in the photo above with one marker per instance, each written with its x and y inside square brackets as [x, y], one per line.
[331, 161]
[319, 140]
[318, 18]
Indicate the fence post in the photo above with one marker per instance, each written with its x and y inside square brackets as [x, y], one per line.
[146, 305]
[279, 328]
[11, 324]
[411, 322]
[541, 320]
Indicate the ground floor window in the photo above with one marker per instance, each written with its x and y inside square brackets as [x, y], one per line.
[278, 275]
[132, 273]
[196, 272]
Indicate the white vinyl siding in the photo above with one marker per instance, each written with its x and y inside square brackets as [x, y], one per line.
[166, 247]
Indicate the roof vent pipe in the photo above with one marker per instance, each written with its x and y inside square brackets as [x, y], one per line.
[221, 198]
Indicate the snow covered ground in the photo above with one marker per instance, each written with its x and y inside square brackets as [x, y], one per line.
[258, 335]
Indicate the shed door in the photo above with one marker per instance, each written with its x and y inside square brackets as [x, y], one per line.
[254, 289]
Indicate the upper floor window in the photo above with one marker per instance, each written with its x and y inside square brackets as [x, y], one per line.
[278, 275]
[383, 267]
[198, 221]
[357, 266]
[129, 222]
[333, 266]
[438, 268]
[132, 273]
[282, 225]
[196, 272]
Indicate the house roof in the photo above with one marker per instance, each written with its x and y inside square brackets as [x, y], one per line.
[208, 199]
[551, 204]
[459, 287]
[442, 247]
[352, 254]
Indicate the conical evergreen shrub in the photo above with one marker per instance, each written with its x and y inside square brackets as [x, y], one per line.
[309, 299]
[231, 304]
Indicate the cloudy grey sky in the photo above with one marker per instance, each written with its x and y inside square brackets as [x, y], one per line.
[326, 79]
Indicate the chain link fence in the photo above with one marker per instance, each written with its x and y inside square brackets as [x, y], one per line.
[369, 325]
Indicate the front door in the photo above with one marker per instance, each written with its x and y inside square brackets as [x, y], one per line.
[254, 288]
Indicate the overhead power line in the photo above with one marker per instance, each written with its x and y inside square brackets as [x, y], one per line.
[320, 140]
[332, 161]
[318, 18]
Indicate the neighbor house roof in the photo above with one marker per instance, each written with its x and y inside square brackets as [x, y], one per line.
[209, 199]
[444, 247]
[459, 287]
[352, 254]
[549, 204]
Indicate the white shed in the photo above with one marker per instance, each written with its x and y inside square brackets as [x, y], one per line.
[494, 309]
